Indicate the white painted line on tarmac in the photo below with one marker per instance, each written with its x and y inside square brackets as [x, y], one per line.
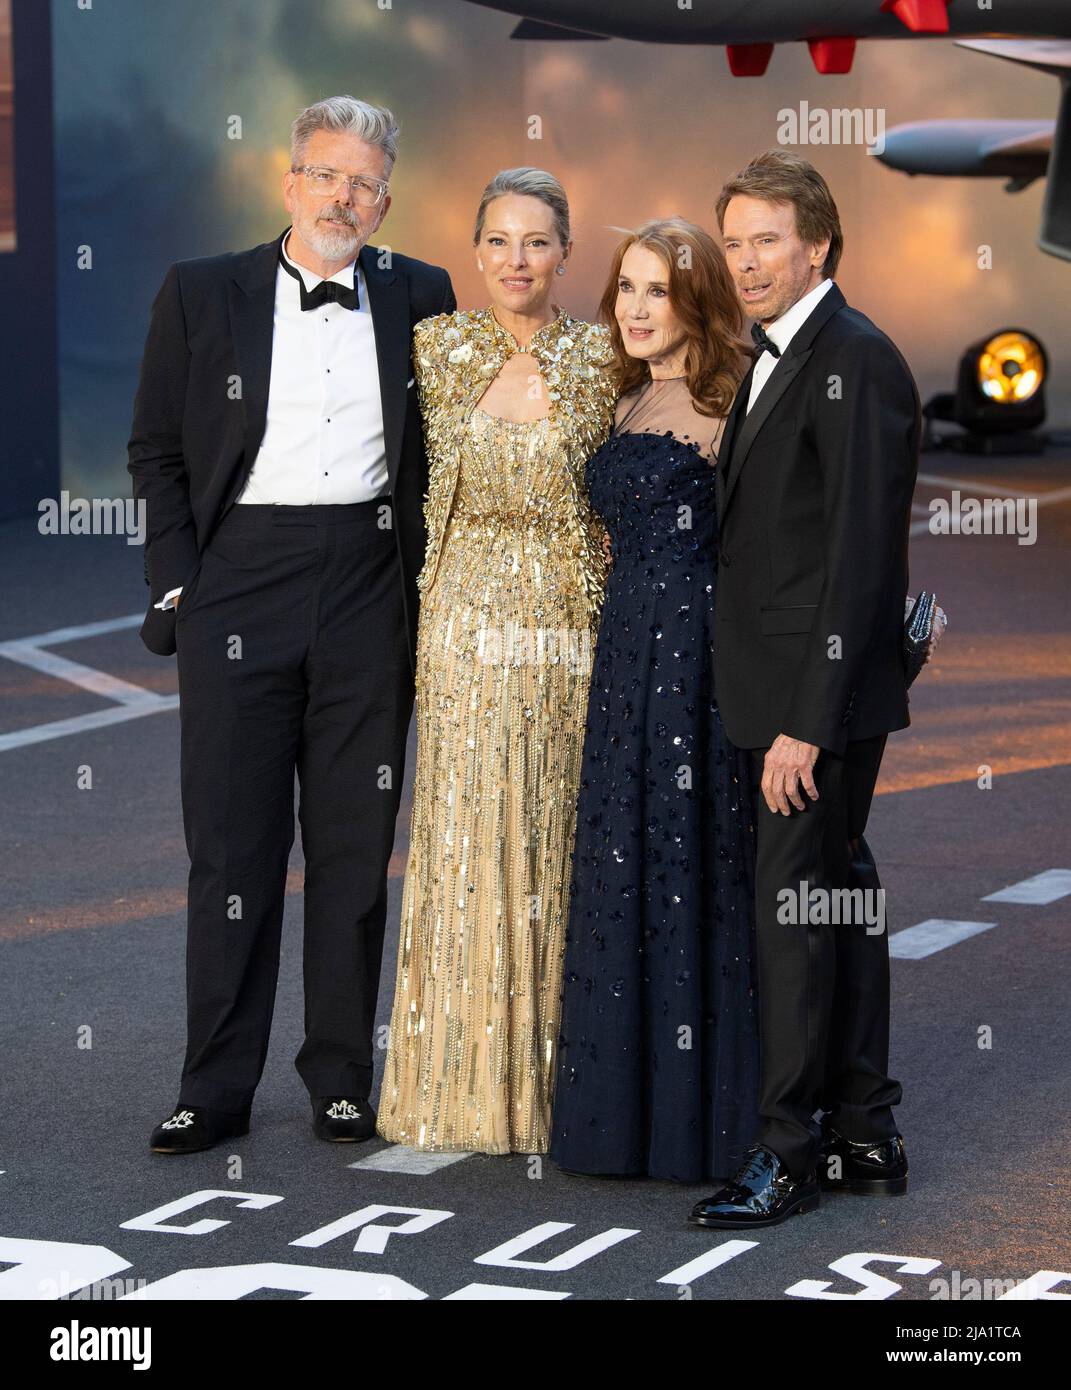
[85, 677]
[413, 1162]
[498, 1293]
[1039, 1286]
[57, 635]
[132, 701]
[1042, 889]
[993, 488]
[702, 1264]
[79, 723]
[914, 943]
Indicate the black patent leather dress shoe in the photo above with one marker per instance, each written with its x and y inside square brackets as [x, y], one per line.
[868, 1168]
[762, 1194]
[193, 1127]
[343, 1119]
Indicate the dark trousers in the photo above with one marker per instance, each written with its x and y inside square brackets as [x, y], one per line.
[823, 987]
[292, 656]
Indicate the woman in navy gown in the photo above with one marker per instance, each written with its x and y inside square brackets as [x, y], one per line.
[657, 1060]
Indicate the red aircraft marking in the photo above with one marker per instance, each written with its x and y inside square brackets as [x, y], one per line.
[920, 16]
[748, 59]
[832, 55]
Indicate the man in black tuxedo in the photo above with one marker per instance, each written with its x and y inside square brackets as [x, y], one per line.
[277, 445]
[815, 480]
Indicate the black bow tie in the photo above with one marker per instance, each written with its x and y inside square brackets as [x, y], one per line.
[763, 343]
[326, 292]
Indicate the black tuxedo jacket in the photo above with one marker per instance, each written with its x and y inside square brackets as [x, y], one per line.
[194, 437]
[814, 494]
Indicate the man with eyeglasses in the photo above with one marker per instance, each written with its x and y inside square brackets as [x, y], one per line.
[277, 445]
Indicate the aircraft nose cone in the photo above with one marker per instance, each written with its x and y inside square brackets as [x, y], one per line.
[930, 147]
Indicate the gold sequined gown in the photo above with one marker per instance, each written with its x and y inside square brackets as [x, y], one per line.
[511, 590]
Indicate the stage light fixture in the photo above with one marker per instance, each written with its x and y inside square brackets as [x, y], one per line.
[999, 399]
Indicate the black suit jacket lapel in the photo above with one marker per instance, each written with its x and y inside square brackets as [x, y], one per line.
[788, 367]
[389, 305]
[732, 426]
[251, 297]
[780, 379]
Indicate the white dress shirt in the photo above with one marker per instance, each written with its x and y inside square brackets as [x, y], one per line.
[781, 331]
[323, 435]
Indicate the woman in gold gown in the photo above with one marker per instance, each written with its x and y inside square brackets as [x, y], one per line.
[515, 397]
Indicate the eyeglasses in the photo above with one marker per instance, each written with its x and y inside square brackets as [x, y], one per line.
[367, 191]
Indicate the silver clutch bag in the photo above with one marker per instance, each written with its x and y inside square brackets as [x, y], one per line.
[918, 629]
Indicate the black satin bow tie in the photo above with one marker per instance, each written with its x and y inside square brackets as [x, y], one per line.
[763, 343]
[326, 292]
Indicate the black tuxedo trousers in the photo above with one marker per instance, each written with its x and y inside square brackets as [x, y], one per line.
[292, 650]
[823, 985]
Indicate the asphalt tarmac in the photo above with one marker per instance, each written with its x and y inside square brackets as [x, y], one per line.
[974, 799]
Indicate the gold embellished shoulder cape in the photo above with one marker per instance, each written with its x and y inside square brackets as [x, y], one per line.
[456, 357]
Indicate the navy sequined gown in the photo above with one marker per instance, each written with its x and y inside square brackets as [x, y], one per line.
[657, 1060]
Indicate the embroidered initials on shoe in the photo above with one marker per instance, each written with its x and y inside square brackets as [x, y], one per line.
[342, 1110]
[181, 1119]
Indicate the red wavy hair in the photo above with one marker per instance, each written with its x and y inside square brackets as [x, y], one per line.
[703, 297]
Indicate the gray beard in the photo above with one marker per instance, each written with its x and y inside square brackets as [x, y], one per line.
[332, 243]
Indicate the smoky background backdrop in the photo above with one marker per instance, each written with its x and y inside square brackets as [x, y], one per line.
[171, 139]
